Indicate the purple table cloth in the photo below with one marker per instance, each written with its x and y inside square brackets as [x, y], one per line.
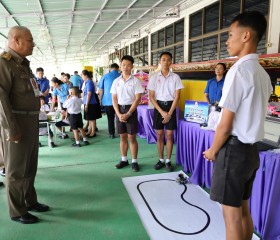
[265, 199]
[145, 123]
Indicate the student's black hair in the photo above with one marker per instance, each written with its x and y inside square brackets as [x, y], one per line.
[128, 58]
[75, 90]
[254, 20]
[166, 53]
[40, 69]
[56, 80]
[115, 66]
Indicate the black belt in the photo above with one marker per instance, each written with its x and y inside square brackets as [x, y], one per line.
[233, 140]
[165, 102]
[124, 106]
[25, 112]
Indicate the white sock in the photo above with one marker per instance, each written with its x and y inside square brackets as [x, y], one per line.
[124, 158]
[162, 160]
[77, 142]
[84, 139]
[63, 134]
[134, 160]
[167, 161]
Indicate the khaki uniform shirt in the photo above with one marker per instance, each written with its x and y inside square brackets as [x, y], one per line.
[16, 90]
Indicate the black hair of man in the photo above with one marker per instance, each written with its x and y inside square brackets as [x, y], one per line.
[62, 73]
[254, 20]
[40, 69]
[128, 58]
[76, 72]
[166, 53]
[114, 66]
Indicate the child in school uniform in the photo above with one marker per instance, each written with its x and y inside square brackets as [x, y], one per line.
[126, 95]
[73, 105]
[44, 110]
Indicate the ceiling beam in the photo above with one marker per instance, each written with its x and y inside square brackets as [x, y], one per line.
[98, 21]
[71, 25]
[123, 12]
[138, 19]
[45, 24]
[81, 12]
[95, 20]
[8, 14]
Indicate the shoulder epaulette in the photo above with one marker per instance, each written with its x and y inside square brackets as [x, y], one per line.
[6, 56]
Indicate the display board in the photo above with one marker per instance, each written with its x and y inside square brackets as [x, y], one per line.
[144, 78]
[196, 111]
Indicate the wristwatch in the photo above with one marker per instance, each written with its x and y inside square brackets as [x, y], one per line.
[128, 113]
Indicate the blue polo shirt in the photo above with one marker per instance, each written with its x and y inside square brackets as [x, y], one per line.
[76, 80]
[214, 89]
[62, 92]
[89, 87]
[44, 86]
[105, 84]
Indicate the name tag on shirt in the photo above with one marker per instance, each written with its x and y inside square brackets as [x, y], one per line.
[35, 87]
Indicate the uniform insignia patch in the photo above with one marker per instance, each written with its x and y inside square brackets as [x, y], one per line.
[6, 56]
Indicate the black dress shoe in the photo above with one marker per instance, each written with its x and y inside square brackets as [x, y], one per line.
[38, 207]
[26, 219]
[91, 136]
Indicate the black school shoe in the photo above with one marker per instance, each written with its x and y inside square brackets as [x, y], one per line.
[38, 207]
[169, 167]
[76, 145]
[26, 219]
[135, 167]
[159, 165]
[122, 164]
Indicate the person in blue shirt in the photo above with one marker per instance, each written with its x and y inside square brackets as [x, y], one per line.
[104, 86]
[44, 84]
[76, 80]
[92, 110]
[213, 90]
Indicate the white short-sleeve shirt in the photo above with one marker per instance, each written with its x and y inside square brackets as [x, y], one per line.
[126, 90]
[165, 88]
[246, 91]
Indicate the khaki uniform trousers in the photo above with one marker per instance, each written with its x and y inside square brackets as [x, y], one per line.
[21, 161]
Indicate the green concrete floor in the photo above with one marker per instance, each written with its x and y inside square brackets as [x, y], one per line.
[84, 190]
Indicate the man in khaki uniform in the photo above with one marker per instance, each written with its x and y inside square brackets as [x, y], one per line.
[19, 110]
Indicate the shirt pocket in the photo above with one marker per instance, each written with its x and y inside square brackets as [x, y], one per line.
[22, 85]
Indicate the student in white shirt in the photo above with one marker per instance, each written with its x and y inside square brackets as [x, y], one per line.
[164, 93]
[126, 95]
[73, 104]
[43, 117]
[244, 102]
